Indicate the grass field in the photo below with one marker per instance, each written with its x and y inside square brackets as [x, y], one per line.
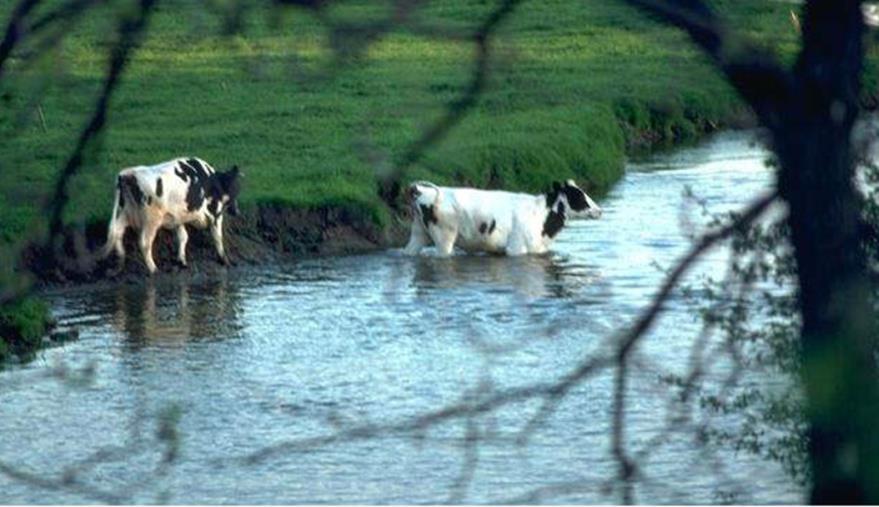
[571, 83]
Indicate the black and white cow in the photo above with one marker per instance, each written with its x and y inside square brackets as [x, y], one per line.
[170, 195]
[493, 221]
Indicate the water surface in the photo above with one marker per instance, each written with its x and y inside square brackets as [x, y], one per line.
[262, 356]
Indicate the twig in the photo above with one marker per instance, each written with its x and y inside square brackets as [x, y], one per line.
[14, 30]
[42, 118]
[389, 186]
[73, 8]
[756, 75]
[556, 389]
[129, 31]
[63, 484]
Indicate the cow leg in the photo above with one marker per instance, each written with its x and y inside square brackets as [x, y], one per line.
[217, 234]
[147, 236]
[182, 239]
[516, 249]
[445, 241]
[418, 239]
[516, 243]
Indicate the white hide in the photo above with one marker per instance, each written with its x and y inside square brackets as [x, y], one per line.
[491, 220]
[191, 193]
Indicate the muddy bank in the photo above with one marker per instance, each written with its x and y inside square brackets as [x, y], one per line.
[261, 234]
[266, 233]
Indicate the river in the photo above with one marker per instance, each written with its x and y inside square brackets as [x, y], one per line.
[263, 356]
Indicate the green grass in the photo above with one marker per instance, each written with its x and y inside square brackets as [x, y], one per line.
[571, 83]
[23, 323]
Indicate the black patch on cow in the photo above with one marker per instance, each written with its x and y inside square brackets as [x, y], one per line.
[486, 228]
[554, 222]
[199, 179]
[576, 198]
[206, 185]
[214, 207]
[413, 192]
[428, 215]
[128, 188]
[119, 192]
[553, 195]
[194, 196]
[159, 187]
[199, 168]
[149, 200]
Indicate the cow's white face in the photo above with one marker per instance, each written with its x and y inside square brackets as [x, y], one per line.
[570, 200]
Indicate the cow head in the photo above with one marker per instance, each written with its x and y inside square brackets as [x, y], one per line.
[230, 187]
[570, 200]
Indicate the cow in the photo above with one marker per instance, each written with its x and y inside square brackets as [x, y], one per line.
[492, 221]
[171, 195]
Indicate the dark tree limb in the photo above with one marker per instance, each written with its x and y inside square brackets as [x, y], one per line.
[130, 31]
[810, 113]
[14, 30]
[622, 348]
[839, 328]
[71, 9]
[757, 76]
[389, 184]
[42, 482]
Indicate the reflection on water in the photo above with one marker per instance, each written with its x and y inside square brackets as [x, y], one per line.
[260, 356]
[529, 276]
[172, 312]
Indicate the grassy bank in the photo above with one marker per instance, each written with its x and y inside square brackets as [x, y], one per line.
[23, 325]
[572, 85]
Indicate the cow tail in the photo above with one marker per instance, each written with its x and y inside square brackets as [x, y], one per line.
[112, 231]
[427, 184]
[117, 204]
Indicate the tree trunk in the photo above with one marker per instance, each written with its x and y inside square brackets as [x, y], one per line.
[813, 143]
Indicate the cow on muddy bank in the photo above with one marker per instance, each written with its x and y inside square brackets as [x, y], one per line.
[171, 195]
[493, 221]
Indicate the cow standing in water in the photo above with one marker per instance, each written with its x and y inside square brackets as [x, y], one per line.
[493, 221]
[170, 195]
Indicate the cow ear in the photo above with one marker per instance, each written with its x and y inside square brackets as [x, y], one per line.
[556, 186]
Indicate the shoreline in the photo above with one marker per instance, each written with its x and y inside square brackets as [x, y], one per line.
[266, 233]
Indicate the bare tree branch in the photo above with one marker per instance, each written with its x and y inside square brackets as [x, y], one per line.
[62, 484]
[72, 9]
[756, 75]
[643, 324]
[129, 36]
[14, 30]
[547, 391]
[389, 185]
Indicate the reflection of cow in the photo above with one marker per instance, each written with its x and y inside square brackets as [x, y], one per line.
[493, 221]
[171, 195]
[173, 311]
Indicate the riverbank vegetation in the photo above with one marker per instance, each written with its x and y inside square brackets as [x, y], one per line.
[23, 325]
[570, 87]
[314, 113]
